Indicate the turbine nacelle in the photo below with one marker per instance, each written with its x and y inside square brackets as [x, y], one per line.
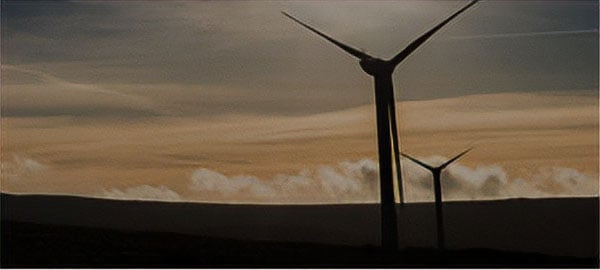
[374, 66]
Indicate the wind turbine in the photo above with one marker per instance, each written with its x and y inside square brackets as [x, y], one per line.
[437, 187]
[381, 71]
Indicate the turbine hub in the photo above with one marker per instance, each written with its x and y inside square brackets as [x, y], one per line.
[375, 66]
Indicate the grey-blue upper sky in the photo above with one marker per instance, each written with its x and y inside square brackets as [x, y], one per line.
[245, 57]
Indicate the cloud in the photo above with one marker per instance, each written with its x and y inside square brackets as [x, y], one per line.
[35, 93]
[48, 78]
[31, 165]
[21, 167]
[458, 182]
[347, 182]
[461, 182]
[144, 192]
[210, 181]
[529, 34]
[356, 182]
[560, 181]
[256, 61]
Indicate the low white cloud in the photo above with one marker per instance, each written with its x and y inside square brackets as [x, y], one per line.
[347, 182]
[485, 182]
[355, 182]
[144, 192]
[210, 181]
[564, 181]
[458, 182]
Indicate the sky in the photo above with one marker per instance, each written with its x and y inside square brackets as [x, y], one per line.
[233, 102]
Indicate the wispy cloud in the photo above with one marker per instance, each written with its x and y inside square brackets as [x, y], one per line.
[48, 78]
[52, 95]
[20, 167]
[529, 34]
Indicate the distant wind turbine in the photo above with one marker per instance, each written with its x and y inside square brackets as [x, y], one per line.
[437, 186]
[382, 70]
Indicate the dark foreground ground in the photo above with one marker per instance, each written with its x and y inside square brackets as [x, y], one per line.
[65, 231]
[33, 245]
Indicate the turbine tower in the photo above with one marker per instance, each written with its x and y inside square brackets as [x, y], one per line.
[381, 71]
[437, 187]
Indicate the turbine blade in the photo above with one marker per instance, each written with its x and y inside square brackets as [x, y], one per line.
[427, 166]
[348, 49]
[419, 41]
[454, 158]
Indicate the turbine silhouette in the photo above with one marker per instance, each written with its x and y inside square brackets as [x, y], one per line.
[437, 187]
[382, 70]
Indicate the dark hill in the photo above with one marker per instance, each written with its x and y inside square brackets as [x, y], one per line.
[40, 230]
